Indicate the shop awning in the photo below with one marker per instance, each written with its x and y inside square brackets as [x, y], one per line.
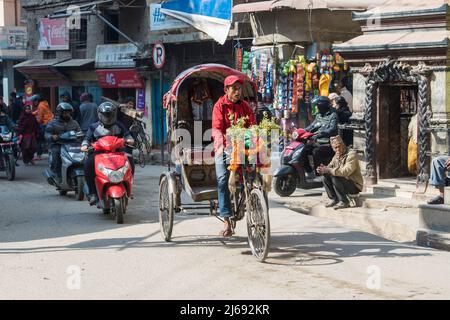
[401, 8]
[119, 78]
[75, 63]
[302, 5]
[40, 69]
[406, 40]
[253, 7]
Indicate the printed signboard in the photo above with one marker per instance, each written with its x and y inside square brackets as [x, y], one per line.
[13, 42]
[115, 55]
[159, 21]
[53, 34]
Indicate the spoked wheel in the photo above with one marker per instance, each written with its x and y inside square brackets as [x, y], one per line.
[166, 209]
[79, 194]
[119, 209]
[258, 225]
[10, 167]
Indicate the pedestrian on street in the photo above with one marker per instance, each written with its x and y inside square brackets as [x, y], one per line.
[342, 177]
[126, 120]
[333, 96]
[4, 107]
[438, 178]
[346, 94]
[88, 112]
[15, 107]
[344, 115]
[43, 115]
[28, 130]
[413, 144]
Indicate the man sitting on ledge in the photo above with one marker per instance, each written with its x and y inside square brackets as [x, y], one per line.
[342, 177]
[438, 177]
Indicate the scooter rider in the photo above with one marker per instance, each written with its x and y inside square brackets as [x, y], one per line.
[5, 121]
[324, 126]
[106, 126]
[61, 124]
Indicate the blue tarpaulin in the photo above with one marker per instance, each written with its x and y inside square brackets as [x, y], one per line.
[210, 16]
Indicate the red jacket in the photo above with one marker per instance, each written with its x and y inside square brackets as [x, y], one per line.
[221, 118]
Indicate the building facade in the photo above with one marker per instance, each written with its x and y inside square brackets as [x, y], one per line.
[401, 70]
[13, 43]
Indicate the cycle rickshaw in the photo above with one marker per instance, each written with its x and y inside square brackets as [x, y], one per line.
[194, 170]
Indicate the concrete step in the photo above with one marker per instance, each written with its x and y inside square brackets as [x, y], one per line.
[394, 218]
[381, 201]
[393, 223]
[405, 191]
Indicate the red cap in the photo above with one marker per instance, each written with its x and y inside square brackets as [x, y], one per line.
[230, 80]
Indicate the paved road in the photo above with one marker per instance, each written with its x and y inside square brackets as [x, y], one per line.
[53, 247]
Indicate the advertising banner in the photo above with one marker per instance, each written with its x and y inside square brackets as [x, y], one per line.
[53, 34]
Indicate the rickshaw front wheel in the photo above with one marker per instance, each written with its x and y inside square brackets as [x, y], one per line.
[258, 225]
[166, 209]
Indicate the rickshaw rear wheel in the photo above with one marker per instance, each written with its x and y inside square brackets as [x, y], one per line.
[258, 225]
[166, 209]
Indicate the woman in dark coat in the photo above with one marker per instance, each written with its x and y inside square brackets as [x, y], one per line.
[28, 130]
[344, 115]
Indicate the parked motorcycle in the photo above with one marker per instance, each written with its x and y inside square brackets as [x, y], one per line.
[291, 174]
[7, 160]
[72, 170]
[113, 176]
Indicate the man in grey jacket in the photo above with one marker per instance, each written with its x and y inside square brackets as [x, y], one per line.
[88, 110]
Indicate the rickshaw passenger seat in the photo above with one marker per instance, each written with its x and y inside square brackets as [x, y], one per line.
[198, 155]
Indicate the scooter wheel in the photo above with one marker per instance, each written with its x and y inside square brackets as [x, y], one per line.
[79, 194]
[62, 192]
[119, 209]
[284, 186]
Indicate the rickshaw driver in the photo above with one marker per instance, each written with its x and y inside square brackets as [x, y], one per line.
[229, 104]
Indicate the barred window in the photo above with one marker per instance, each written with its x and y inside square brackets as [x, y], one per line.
[78, 37]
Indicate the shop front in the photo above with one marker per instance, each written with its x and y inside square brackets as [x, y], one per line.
[50, 78]
[294, 65]
[401, 83]
[44, 78]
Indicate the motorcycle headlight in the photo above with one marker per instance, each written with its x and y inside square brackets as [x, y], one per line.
[7, 136]
[77, 156]
[116, 176]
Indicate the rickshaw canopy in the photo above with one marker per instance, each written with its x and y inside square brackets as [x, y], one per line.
[211, 71]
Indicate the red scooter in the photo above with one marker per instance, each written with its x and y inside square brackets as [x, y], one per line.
[113, 176]
[291, 175]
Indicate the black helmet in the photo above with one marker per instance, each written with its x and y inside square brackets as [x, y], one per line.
[323, 104]
[63, 106]
[107, 113]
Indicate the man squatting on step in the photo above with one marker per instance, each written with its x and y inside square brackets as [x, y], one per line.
[438, 177]
[342, 177]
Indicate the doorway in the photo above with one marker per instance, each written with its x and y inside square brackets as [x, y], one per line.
[157, 122]
[397, 104]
